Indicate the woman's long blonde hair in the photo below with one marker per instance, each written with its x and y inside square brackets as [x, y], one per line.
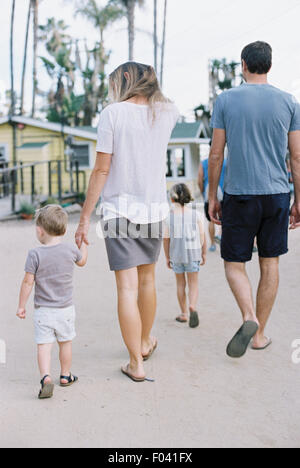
[141, 80]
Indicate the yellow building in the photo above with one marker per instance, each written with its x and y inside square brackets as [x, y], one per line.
[41, 141]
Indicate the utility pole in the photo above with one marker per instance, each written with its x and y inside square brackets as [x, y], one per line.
[163, 48]
[155, 36]
[12, 88]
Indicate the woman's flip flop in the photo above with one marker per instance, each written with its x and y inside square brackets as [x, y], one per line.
[240, 342]
[71, 379]
[46, 390]
[269, 342]
[125, 371]
[148, 356]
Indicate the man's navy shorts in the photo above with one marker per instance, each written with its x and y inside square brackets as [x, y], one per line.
[246, 217]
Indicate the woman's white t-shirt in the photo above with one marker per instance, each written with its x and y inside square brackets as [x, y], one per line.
[136, 185]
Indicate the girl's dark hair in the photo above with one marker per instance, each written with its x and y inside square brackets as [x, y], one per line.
[181, 194]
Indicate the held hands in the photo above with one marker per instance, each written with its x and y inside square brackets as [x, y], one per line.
[82, 232]
[21, 314]
[215, 212]
[295, 216]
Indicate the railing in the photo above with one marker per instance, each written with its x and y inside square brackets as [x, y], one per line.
[41, 180]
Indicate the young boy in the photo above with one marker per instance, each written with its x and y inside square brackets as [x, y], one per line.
[185, 249]
[50, 267]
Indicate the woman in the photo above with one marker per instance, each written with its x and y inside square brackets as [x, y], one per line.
[129, 174]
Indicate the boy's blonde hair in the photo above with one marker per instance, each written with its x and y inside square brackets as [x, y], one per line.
[53, 219]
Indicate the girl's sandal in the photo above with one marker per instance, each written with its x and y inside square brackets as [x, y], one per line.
[71, 379]
[46, 390]
[182, 319]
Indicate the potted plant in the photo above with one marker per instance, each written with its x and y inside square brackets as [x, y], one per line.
[27, 211]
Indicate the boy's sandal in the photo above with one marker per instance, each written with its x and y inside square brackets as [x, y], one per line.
[148, 356]
[182, 319]
[71, 379]
[46, 390]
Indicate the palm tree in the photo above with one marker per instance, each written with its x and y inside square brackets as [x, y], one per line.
[129, 6]
[25, 60]
[12, 89]
[163, 48]
[35, 8]
[102, 18]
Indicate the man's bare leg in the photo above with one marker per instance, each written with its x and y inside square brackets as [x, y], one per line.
[266, 296]
[239, 283]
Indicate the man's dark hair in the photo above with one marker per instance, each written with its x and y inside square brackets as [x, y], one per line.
[258, 57]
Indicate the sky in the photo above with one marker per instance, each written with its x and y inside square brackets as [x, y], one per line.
[197, 30]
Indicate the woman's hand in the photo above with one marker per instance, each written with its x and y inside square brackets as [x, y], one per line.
[82, 232]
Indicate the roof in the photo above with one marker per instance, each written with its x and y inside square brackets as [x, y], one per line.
[40, 144]
[184, 132]
[187, 130]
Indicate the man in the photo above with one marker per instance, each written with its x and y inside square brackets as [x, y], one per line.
[258, 122]
[204, 189]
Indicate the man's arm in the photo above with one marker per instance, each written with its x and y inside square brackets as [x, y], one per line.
[216, 160]
[294, 147]
[201, 178]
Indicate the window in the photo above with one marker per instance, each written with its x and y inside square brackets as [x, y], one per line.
[180, 161]
[3, 152]
[176, 163]
[169, 163]
[81, 153]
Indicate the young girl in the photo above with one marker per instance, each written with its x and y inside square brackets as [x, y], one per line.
[185, 249]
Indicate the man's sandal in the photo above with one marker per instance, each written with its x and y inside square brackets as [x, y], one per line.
[46, 390]
[71, 379]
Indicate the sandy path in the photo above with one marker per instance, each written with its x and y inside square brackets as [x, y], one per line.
[200, 397]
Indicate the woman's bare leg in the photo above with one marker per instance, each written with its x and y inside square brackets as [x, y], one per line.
[130, 319]
[147, 304]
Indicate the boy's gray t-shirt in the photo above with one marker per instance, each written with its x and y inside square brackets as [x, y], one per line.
[53, 268]
[257, 120]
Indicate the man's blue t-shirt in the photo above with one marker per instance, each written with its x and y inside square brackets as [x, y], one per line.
[257, 120]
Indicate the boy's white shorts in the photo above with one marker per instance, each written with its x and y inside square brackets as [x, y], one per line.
[53, 325]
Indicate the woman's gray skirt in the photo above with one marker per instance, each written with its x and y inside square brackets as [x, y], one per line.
[130, 245]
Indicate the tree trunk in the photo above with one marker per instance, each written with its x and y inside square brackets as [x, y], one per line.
[131, 30]
[12, 87]
[163, 48]
[155, 36]
[25, 60]
[35, 5]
